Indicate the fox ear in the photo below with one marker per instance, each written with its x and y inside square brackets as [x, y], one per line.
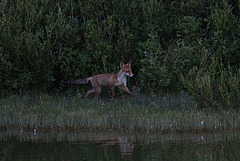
[122, 64]
[129, 63]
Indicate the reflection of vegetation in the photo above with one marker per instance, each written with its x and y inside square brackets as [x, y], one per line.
[155, 114]
[6, 148]
[92, 146]
[192, 151]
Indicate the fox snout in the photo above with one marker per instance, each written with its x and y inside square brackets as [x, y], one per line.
[130, 75]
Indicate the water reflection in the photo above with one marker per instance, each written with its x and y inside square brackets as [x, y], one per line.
[113, 138]
[125, 144]
[37, 145]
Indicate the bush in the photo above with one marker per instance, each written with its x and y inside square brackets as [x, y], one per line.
[33, 34]
[44, 43]
[214, 85]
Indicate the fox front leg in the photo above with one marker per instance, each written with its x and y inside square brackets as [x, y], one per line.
[112, 90]
[126, 89]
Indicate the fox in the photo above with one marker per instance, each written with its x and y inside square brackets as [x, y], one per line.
[110, 80]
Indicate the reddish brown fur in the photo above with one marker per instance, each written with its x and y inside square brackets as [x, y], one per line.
[110, 80]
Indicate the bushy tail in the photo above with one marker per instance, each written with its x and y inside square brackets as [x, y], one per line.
[79, 81]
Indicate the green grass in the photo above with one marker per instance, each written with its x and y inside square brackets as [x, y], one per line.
[145, 114]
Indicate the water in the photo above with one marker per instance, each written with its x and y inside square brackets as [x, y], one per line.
[69, 146]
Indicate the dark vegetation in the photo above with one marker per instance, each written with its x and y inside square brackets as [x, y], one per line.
[190, 46]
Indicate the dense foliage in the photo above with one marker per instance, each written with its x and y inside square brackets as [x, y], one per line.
[173, 44]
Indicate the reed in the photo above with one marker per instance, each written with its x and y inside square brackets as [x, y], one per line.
[145, 114]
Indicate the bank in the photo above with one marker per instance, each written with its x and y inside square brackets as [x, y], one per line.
[125, 113]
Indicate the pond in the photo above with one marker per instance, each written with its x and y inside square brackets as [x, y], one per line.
[73, 146]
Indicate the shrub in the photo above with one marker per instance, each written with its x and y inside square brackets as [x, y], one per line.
[214, 85]
[44, 43]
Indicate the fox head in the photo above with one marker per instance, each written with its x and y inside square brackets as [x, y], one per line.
[126, 68]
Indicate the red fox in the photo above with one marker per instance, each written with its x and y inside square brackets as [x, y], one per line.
[110, 80]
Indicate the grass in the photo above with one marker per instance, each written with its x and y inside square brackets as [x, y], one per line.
[145, 114]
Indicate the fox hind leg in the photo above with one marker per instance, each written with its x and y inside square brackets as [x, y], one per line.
[97, 91]
[90, 91]
[96, 88]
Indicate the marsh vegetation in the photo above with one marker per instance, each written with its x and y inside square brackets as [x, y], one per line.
[143, 114]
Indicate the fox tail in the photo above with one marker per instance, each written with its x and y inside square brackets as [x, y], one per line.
[79, 81]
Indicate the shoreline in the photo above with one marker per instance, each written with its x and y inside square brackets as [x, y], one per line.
[71, 136]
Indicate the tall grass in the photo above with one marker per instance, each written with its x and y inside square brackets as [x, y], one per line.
[145, 114]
